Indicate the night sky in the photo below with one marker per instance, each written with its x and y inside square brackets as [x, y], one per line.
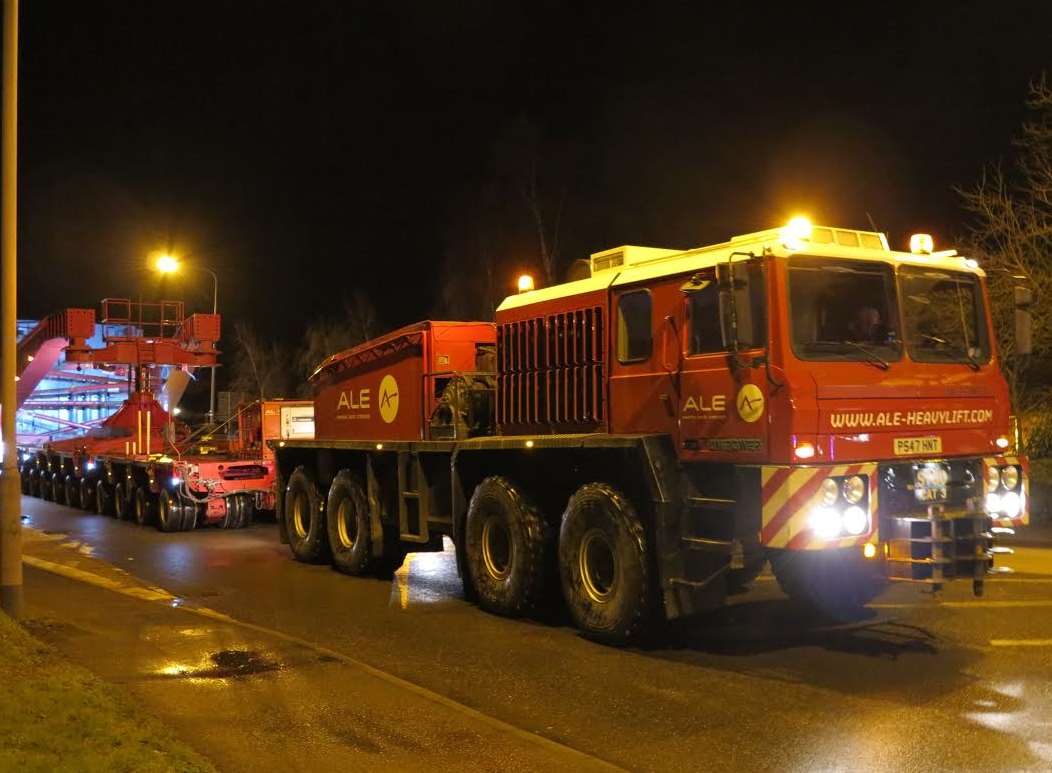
[308, 149]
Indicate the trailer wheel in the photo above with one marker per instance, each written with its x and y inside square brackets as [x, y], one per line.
[348, 525]
[169, 512]
[87, 495]
[837, 583]
[190, 512]
[103, 499]
[604, 565]
[145, 506]
[305, 518]
[58, 488]
[71, 492]
[507, 542]
[238, 512]
[120, 501]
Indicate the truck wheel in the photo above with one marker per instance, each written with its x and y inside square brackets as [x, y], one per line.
[120, 501]
[305, 518]
[837, 583]
[71, 491]
[145, 506]
[507, 543]
[103, 499]
[603, 564]
[348, 525]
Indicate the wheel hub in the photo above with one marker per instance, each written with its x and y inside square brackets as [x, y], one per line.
[346, 524]
[300, 519]
[598, 566]
[496, 548]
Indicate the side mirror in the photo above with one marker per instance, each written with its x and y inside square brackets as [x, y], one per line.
[1024, 322]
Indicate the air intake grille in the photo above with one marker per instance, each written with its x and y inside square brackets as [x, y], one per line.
[551, 373]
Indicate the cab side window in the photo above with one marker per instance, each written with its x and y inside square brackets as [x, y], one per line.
[706, 332]
[634, 327]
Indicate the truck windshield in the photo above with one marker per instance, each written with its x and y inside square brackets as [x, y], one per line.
[843, 310]
[944, 316]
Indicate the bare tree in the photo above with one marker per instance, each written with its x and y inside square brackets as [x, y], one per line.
[1011, 235]
[356, 323]
[258, 368]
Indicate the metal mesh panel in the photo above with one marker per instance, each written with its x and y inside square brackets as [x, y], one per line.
[551, 372]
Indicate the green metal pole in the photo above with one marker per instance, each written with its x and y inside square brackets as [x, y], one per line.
[10, 490]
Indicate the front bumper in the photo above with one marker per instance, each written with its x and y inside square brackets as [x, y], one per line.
[919, 533]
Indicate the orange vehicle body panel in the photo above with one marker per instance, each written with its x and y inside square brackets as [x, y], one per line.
[385, 389]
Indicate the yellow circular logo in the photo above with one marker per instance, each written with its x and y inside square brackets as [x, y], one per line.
[388, 398]
[750, 403]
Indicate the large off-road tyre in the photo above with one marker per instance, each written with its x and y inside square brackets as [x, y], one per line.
[170, 513]
[121, 505]
[347, 520]
[508, 546]
[604, 566]
[58, 488]
[71, 491]
[104, 504]
[836, 583]
[144, 506]
[86, 494]
[305, 518]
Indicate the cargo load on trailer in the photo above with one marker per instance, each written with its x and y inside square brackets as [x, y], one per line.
[142, 463]
[646, 439]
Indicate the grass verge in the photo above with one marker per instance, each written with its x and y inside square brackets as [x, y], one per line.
[57, 716]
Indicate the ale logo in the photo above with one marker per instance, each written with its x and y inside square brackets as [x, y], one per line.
[388, 398]
[750, 403]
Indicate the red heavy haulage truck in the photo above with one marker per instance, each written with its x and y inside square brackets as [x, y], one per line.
[646, 438]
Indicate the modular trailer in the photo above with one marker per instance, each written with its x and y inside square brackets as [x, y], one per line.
[651, 435]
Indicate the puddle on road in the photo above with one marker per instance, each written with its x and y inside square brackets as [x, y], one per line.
[224, 664]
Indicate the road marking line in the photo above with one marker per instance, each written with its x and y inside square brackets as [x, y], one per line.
[1021, 642]
[160, 595]
[148, 593]
[967, 605]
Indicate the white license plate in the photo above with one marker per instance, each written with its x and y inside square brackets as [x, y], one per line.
[911, 446]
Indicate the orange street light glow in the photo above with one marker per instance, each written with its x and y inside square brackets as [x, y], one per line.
[167, 264]
[525, 283]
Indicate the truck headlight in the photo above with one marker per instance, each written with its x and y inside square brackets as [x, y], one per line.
[830, 491]
[825, 522]
[854, 489]
[993, 478]
[854, 520]
[1011, 504]
[1009, 477]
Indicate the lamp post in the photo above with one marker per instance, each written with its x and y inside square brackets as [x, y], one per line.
[169, 264]
[10, 490]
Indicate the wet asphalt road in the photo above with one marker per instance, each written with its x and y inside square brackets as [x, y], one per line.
[948, 684]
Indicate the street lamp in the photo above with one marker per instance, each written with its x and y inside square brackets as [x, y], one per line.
[169, 264]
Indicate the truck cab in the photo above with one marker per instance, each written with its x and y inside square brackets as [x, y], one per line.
[836, 394]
